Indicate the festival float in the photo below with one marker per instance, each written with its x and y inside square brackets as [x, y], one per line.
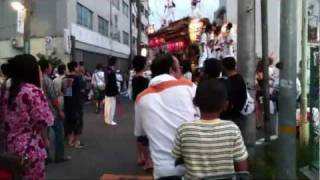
[188, 39]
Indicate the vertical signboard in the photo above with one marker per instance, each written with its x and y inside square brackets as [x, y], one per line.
[21, 16]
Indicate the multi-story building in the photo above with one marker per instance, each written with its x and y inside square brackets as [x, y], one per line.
[101, 29]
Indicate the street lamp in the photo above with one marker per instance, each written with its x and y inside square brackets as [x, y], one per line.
[23, 8]
[17, 6]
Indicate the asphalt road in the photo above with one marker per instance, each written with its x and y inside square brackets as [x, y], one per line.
[108, 149]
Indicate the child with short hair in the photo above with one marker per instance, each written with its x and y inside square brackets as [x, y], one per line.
[210, 146]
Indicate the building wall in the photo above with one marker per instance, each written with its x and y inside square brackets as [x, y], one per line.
[8, 20]
[52, 17]
[48, 18]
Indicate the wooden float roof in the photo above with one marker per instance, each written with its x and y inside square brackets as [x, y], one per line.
[177, 30]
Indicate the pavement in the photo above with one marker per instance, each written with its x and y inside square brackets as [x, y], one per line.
[108, 149]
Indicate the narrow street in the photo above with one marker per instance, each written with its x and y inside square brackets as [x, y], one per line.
[108, 149]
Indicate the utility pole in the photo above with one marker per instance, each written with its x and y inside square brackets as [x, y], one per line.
[247, 60]
[304, 124]
[286, 143]
[265, 59]
[27, 25]
[314, 103]
[131, 35]
[138, 3]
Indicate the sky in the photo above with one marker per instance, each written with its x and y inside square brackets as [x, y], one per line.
[183, 9]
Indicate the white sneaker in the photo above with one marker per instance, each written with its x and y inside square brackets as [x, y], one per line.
[113, 123]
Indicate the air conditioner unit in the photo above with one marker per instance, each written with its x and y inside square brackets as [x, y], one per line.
[17, 42]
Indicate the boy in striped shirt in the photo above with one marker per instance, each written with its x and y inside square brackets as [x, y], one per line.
[210, 146]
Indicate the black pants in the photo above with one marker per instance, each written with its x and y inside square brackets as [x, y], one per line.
[74, 121]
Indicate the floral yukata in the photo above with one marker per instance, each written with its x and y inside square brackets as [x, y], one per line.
[30, 114]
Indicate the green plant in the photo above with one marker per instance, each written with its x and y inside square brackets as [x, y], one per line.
[263, 165]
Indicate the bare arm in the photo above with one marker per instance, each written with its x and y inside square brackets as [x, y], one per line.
[57, 106]
[44, 135]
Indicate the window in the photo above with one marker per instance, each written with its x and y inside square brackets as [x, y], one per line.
[146, 13]
[116, 3]
[116, 21]
[142, 9]
[116, 36]
[125, 8]
[103, 26]
[84, 16]
[133, 19]
[142, 27]
[134, 40]
[125, 36]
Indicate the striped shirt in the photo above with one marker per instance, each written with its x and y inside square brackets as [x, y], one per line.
[209, 148]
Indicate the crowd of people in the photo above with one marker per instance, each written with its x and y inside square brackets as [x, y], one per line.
[183, 128]
[217, 41]
[191, 129]
[33, 103]
[36, 98]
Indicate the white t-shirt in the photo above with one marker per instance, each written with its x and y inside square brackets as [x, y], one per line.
[98, 79]
[159, 111]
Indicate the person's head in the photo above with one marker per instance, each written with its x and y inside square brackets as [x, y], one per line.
[279, 65]
[217, 30]
[271, 60]
[214, 24]
[112, 61]
[211, 96]
[229, 64]
[176, 68]
[186, 66]
[82, 69]
[139, 63]
[229, 27]
[99, 67]
[259, 68]
[62, 69]
[5, 70]
[162, 64]
[212, 68]
[73, 66]
[208, 28]
[45, 66]
[23, 69]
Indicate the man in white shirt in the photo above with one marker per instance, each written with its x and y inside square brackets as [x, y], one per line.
[161, 109]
